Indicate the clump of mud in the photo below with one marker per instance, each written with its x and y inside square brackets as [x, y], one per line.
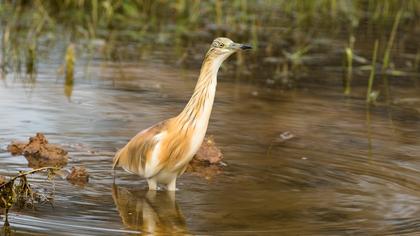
[207, 162]
[16, 148]
[78, 176]
[39, 152]
[209, 152]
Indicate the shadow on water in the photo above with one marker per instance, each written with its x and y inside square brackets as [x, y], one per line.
[150, 212]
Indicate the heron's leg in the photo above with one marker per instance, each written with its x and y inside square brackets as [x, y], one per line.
[152, 184]
[172, 185]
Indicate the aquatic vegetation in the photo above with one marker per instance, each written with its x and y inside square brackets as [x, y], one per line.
[280, 31]
[386, 59]
[17, 191]
[69, 70]
[349, 67]
[272, 27]
[372, 95]
[31, 60]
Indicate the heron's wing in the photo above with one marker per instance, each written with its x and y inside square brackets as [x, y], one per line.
[133, 156]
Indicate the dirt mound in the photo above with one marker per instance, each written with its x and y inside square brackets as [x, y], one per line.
[78, 176]
[39, 152]
[207, 162]
[208, 152]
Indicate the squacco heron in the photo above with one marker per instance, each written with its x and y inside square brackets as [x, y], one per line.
[162, 152]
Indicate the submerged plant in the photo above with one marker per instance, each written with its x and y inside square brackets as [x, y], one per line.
[17, 191]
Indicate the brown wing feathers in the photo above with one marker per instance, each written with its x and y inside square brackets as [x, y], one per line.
[135, 153]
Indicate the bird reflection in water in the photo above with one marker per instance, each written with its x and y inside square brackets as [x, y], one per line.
[151, 212]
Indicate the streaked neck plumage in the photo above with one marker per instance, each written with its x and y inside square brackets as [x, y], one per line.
[198, 109]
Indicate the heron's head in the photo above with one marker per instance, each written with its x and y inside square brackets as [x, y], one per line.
[222, 48]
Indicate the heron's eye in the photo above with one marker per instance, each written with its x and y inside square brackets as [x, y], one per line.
[221, 45]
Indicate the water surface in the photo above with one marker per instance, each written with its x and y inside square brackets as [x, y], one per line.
[350, 170]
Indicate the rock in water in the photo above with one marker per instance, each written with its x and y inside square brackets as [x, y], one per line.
[38, 147]
[16, 148]
[209, 152]
[207, 162]
[78, 175]
[39, 152]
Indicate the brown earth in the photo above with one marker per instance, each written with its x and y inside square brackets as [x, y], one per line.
[207, 162]
[39, 152]
[78, 176]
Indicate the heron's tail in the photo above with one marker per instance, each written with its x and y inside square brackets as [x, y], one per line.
[116, 159]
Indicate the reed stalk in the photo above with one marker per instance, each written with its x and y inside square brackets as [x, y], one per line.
[386, 59]
[372, 72]
[349, 57]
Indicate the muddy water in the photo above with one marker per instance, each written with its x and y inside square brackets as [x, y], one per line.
[350, 170]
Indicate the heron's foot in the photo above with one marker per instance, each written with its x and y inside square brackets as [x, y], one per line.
[172, 185]
[152, 184]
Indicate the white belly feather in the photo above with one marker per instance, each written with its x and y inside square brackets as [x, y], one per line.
[151, 166]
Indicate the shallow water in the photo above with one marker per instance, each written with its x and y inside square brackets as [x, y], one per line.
[350, 170]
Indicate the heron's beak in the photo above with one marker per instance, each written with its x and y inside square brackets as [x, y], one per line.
[245, 46]
[237, 46]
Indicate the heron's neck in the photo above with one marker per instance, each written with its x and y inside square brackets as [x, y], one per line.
[200, 105]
